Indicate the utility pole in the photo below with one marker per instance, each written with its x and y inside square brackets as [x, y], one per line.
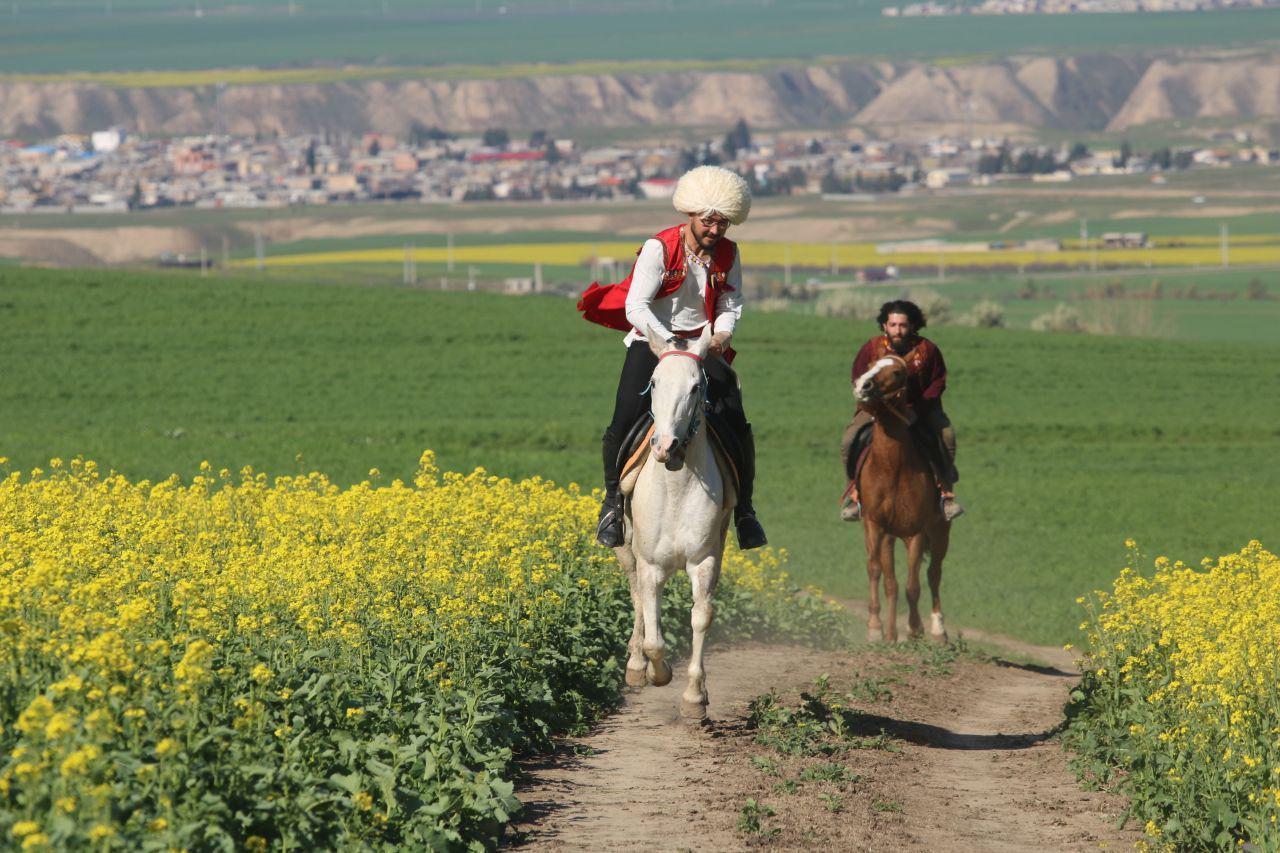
[537, 278]
[942, 266]
[204, 262]
[786, 266]
[258, 248]
[471, 278]
[835, 268]
[226, 251]
[1226, 248]
[448, 252]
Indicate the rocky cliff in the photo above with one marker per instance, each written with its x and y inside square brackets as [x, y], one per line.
[1096, 92]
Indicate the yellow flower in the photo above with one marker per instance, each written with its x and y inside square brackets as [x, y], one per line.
[23, 828]
[363, 801]
[78, 762]
[255, 844]
[167, 746]
[355, 712]
[35, 842]
[65, 804]
[36, 715]
[60, 725]
[100, 832]
[158, 825]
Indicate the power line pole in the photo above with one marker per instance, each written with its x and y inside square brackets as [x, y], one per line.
[1226, 248]
[787, 266]
[258, 249]
[448, 252]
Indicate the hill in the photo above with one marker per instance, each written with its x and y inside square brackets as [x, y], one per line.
[1111, 91]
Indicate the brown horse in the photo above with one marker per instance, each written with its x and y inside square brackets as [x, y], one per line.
[900, 500]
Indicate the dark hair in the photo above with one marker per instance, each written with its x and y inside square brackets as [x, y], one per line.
[903, 306]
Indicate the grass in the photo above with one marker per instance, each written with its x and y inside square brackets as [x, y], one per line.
[57, 38]
[1068, 444]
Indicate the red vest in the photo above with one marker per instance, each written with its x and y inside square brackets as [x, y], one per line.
[607, 304]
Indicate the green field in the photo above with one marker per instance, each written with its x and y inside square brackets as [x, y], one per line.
[1069, 444]
[1231, 306]
[79, 35]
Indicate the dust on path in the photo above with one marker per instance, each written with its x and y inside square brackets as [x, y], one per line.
[977, 769]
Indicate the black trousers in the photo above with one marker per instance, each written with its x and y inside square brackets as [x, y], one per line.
[726, 404]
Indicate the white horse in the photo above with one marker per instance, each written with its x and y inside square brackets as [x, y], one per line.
[677, 517]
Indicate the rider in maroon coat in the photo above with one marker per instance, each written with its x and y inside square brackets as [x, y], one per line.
[901, 322]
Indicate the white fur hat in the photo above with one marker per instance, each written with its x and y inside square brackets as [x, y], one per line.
[713, 189]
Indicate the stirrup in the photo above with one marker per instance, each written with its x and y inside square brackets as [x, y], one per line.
[951, 509]
[851, 511]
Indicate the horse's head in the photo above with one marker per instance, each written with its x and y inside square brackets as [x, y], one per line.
[676, 396]
[884, 380]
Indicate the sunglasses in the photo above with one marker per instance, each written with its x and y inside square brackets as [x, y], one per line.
[714, 222]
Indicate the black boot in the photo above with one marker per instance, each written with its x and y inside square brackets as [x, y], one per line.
[609, 527]
[750, 531]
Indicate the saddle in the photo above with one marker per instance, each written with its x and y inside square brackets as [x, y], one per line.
[927, 441]
[724, 446]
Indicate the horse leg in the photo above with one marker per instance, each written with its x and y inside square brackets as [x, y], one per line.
[890, 588]
[655, 649]
[873, 534]
[915, 550]
[702, 577]
[636, 663]
[939, 542]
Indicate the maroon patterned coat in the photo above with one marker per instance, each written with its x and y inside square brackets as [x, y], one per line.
[927, 372]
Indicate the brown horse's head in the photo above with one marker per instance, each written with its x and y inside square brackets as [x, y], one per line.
[886, 379]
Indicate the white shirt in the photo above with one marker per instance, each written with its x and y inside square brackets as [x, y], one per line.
[686, 309]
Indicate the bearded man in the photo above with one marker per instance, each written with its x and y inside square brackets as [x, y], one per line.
[685, 277]
[901, 322]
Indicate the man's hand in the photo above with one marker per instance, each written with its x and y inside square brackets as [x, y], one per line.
[719, 343]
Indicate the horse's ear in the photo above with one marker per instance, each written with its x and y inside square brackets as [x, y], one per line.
[656, 343]
[704, 341]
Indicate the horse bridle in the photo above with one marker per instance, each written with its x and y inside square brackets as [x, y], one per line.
[695, 422]
[888, 401]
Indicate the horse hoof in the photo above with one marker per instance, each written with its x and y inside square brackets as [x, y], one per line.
[940, 639]
[659, 674]
[636, 678]
[693, 710]
[875, 635]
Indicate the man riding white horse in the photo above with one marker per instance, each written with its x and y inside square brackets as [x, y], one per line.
[684, 278]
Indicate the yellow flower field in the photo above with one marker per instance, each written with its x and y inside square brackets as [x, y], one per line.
[281, 662]
[1181, 693]
[800, 254]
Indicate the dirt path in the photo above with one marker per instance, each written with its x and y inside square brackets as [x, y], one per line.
[968, 764]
